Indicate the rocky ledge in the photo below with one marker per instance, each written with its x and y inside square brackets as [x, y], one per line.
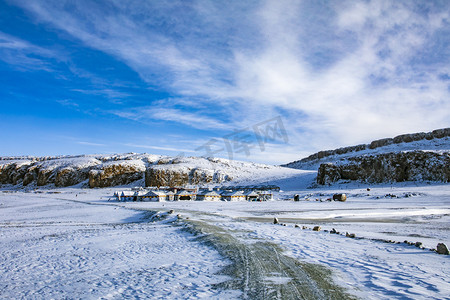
[388, 167]
[122, 169]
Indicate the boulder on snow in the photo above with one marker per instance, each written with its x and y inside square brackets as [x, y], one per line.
[340, 197]
[317, 228]
[442, 249]
[275, 221]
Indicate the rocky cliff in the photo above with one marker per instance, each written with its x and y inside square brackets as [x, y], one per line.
[96, 170]
[122, 169]
[389, 167]
[433, 140]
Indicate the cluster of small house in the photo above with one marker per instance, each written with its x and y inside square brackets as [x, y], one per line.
[196, 194]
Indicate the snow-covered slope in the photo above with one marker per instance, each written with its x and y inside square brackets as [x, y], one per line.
[440, 143]
[122, 169]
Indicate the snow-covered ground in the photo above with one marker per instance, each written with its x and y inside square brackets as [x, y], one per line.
[77, 244]
[52, 248]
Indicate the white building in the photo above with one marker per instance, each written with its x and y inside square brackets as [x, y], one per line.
[207, 195]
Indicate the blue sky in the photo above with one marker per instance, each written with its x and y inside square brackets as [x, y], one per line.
[169, 77]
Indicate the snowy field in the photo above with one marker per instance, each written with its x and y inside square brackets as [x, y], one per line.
[77, 244]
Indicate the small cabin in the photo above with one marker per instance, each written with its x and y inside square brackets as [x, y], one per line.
[127, 196]
[208, 196]
[233, 196]
[170, 196]
[251, 196]
[184, 195]
[139, 195]
[265, 196]
[154, 196]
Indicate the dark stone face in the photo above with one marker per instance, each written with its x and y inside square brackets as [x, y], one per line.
[389, 167]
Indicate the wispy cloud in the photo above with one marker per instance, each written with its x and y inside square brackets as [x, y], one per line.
[68, 103]
[91, 144]
[194, 120]
[23, 55]
[159, 148]
[341, 73]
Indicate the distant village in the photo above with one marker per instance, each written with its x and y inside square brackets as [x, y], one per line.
[220, 193]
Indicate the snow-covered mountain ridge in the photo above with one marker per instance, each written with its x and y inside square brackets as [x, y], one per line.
[408, 157]
[122, 169]
[436, 141]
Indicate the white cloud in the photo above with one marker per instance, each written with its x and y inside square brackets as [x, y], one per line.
[159, 148]
[194, 120]
[254, 61]
[91, 144]
[24, 55]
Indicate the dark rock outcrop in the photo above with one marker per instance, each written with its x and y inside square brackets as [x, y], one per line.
[404, 138]
[179, 176]
[117, 173]
[389, 167]
[70, 176]
[328, 173]
[164, 177]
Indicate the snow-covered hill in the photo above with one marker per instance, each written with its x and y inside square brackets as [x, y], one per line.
[436, 141]
[122, 169]
[408, 157]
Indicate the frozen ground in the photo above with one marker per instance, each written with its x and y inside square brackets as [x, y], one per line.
[76, 244]
[57, 249]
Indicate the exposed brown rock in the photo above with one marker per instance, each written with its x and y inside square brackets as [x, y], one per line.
[70, 176]
[328, 173]
[166, 176]
[404, 138]
[389, 167]
[115, 174]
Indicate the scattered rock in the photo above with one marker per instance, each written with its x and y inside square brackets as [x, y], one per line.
[340, 197]
[350, 235]
[296, 226]
[442, 249]
[333, 231]
[418, 244]
[275, 221]
[171, 211]
[304, 227]
[368, 189]
[296, 197]
[317, 228]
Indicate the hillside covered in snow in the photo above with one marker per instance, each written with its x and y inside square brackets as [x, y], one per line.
[122, 169]
[408, 157]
